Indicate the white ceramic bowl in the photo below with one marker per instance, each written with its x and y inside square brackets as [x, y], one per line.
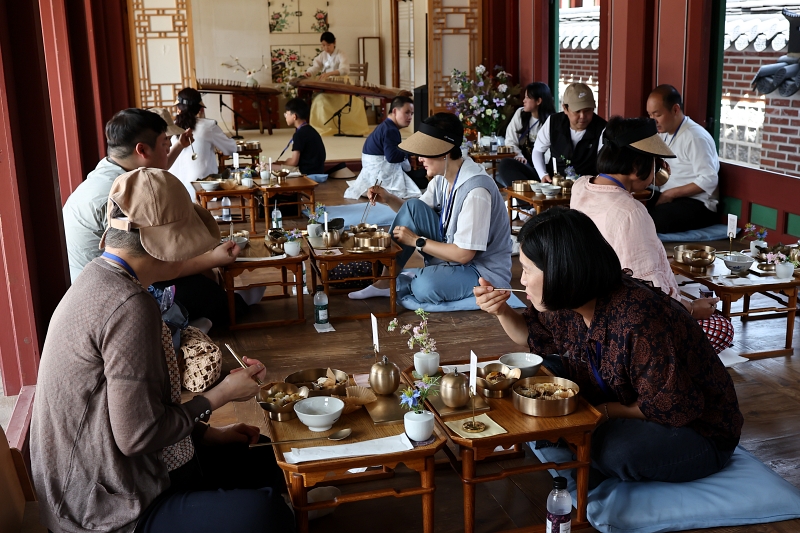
[528, 363]
[552, 191]
[209, 185]
[241, 241]
[319, 413]
[738, 264]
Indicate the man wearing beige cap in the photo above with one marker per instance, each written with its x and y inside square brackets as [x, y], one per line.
[112, 446]
[573, 136]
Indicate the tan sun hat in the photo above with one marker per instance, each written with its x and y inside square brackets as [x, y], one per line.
[172, 129]
[171, 226]
[430, 141]
[579, 96]
[643, 139]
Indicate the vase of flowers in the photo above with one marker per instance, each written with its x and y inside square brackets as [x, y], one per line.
[784, 268]
[484, 102]
[418, 422]
[426, 360]
[293, 244]
[757, 236]
[314, 226]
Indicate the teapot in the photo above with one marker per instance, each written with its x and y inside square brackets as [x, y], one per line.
[454, 390]
[384, 377]
[330, 238]
[558, 179]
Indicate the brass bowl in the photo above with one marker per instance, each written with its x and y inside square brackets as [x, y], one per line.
[367, 239]
[309, 377]
[360, 228]
[523, 185]
[285, 411]
[766, 267]
[500, 388]
[537, 407]
[698, 257]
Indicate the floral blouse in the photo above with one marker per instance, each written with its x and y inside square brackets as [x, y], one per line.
[650, 352]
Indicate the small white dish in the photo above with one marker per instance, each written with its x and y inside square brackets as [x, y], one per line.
[320, 412]
[528, 363]
[209, 185]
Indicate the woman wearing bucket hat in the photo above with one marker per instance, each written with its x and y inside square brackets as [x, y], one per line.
[460, 225]
[629, 161]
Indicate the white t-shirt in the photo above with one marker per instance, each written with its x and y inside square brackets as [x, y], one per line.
[473, 228]
[543, 145]
[696, 162]
[207, 136]
[326, 62]
[512, 135]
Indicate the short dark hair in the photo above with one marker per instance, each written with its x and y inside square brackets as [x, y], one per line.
[577, 262]
[299, 107]
[130, 241]
[669, 95]
[616, 159]
[399, 101]
[328, 37]
[130, 127]
[450, 124]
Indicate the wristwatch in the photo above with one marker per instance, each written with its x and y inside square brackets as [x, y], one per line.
[421, 243]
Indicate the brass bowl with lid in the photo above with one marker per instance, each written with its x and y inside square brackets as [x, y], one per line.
[697, 256]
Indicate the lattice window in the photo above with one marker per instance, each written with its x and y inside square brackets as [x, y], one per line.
[163, 55]
[454, 42]
[740, 132]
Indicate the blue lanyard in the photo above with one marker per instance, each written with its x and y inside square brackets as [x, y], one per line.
[530, 127]
[292, 139]
[594, 362]
[121, 262]
[444, 223]
[615, 180]
[676, 131]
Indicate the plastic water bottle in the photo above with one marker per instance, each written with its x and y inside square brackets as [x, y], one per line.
[226, 209]
[493, 144]
[320, 306]
[277, 217]
[559, 508]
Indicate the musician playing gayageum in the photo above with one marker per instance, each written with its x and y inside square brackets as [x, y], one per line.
[330, 62]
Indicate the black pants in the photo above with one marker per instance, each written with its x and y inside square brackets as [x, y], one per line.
[419, 177]
[681, 214]
[203, 297]
[510, 170]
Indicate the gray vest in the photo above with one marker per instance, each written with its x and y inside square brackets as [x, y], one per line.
[493, 264]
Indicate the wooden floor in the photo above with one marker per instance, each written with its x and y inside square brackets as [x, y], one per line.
[768, 391]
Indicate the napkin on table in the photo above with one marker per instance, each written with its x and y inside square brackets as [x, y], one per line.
[397, 443]
[492, 427]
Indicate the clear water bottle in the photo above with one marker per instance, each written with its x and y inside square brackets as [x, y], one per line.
[559, 508]
[320, 306]
[493, 144]
[277, 217]
[226, 209]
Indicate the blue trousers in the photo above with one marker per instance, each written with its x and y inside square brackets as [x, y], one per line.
[445, 282]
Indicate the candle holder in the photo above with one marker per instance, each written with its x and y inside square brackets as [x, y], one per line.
[473, 426]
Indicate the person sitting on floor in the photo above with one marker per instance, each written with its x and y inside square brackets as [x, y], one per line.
[669, 407]
[460, 225]
[308, 150]
[631, 155]
[208, 137]
[381, 159]
[537, 106]
[573, 136]
[689, 199]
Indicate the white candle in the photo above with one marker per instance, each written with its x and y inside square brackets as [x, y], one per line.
[473, 374]
[326, 221]
[270, 165]
[235, 160]
[375, 333]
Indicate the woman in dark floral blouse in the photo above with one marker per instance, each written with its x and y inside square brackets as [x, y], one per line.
[670, 408]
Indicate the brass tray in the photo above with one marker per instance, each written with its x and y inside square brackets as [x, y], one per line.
[387, 409]
[366, 249]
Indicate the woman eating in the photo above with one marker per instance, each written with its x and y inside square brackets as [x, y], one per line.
[669, 407]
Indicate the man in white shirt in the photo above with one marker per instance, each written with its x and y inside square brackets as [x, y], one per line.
[689, 199]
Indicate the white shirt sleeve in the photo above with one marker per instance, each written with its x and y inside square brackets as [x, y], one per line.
[343, 64]
[220, 141]
[317, 65]
[512, 138]
[427, 196]
[705, 162]
[473, 227]
[541, 146]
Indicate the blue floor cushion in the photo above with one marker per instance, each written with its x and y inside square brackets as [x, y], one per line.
[745, 492]
[717, 232]
[408, 301]
[379, 214]
[319, 178]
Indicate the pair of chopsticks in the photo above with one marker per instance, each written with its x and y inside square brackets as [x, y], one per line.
[504, 289]
[369, 203]
[241, 362]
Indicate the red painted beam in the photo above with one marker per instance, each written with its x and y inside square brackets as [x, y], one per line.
[534, 35]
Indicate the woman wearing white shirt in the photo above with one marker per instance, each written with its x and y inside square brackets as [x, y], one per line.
[207, 137]
[537, 106]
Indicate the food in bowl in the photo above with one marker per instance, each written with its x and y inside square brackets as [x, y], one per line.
[528, 363]
[279, 399]
[546, 391]
[545, 396]
[319, 413]
[495, 377]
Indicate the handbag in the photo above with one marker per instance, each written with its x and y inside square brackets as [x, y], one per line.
[202, 360]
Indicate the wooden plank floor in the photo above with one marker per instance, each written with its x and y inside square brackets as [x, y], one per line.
[768, 391]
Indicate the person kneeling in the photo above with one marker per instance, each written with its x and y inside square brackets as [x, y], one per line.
[460, 225]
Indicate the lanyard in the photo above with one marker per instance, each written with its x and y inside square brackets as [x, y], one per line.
[447, 209]
[530, 127]
[615, 180]
[292, 139]
[676, 131]
[121, 262]
[594, 362]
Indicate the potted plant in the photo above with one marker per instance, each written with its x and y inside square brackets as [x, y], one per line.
[784, 268]
[314, 226]
[294, 240]
[426, 360]
[757, 236]
[418, 422]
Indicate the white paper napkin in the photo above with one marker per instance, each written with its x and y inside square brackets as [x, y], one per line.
[242, 259]
[740, 282]
[398, 443]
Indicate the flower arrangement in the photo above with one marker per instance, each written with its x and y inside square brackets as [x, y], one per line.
[777, 258]
[413, 398]
[250, 79]
[754, 233]
[320, 24]
[318, 215]
[483, 103]
[417, 335]
[570, 172]
[294, 235]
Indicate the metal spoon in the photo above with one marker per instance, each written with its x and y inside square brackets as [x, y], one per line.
[194, 154]
[339, 435]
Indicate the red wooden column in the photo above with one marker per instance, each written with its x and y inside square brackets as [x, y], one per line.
[500, 36]
[534, 41]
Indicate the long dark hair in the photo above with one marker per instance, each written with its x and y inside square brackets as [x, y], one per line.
[190, 102]
[535, 91]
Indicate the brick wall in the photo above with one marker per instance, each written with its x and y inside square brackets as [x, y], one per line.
[781, 132]
[739, 68]
[578, 65]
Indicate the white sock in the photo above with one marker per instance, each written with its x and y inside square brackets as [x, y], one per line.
[370, 292]
[321, 494]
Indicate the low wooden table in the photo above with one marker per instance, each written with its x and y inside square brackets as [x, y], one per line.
[730, 294]
[303, 476]
[576, 428]
[541, 203]
[248, 260]
[302, 185]
[248, 195]
[488, 157]
[321, 264]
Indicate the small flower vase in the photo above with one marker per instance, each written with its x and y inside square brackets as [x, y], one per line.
[264, 175]
[292, 248]
[753, 244]
[426, 364]
[784, 270]
[418, 426]
[314, 229]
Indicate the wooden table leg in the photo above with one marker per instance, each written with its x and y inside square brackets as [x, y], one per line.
[790, 314]
[510, 210]
[467, 473]
[253, 213]
[583, 475]
[298, 492]
[283, 280]
[745, 307]
[726, 305]
[426, 478]
[298, 276]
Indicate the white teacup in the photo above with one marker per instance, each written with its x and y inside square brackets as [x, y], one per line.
[248, 182]
[426, 363]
